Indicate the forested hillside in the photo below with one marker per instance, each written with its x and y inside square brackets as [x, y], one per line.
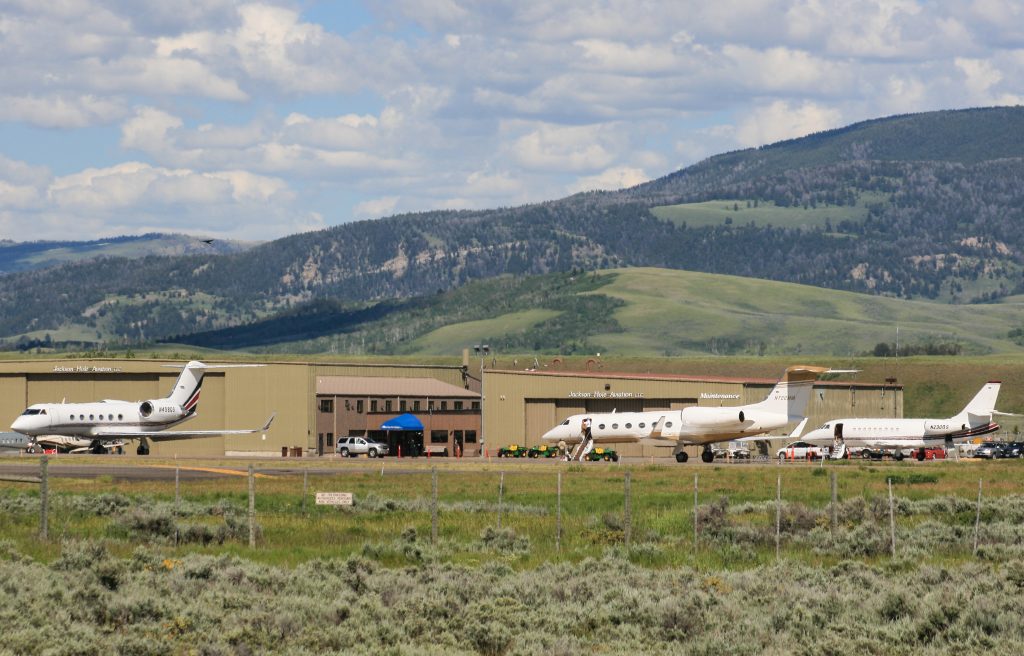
[30, 255]
[926, 206]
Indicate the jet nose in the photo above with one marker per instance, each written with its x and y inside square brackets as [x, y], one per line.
[20, 424]
[553, 435]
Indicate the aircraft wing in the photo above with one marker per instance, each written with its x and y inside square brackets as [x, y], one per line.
[167, 435]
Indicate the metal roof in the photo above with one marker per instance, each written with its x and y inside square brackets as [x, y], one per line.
[684, 378]
[386, 386]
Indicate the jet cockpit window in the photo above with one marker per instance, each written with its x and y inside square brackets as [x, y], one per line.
[34, 411]
[565, 423]
[824, 426]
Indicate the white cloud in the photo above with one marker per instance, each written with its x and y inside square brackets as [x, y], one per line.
[572, 148]
[619, 177]
[375, 207]
[61, 112]
[782, 120]
[227, 107]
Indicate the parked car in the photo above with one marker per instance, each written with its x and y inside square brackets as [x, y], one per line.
[990, 450]
[355, 446]
[1013, 450]
[800, 451]
[929, 453]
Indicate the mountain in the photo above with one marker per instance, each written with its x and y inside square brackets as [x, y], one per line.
[639, 312]
[923, 206]
[33, 255]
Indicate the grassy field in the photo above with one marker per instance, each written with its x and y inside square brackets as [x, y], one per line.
[393, 500]
[128, 570]
[737, 212]
[671, 312]
[454, 338]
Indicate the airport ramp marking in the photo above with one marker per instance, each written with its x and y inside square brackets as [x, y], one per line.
[213, 470]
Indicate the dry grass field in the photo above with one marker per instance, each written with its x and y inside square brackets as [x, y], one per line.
[128, 569]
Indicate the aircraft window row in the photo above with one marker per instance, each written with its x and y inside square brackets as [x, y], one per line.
[101, 417]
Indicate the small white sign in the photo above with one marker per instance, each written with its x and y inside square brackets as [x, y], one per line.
[334, 498]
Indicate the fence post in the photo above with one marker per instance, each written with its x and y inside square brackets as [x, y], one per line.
[501, 496]
[558, 516]
[433, 505]
[778, 517]
[695, 510]
[628, 512]
[177, 489]
[977, 519]
[252, 508]
[835, 501]
[305, 488]
[892, 520]
[44, 498]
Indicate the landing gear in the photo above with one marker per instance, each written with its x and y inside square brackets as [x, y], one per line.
[97, 448]
[920, 454]
[682, 456]
[897, 455]
[707, 455]
[143, 449]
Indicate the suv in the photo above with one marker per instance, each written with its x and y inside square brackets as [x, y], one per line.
[354, 446]
[799, 451]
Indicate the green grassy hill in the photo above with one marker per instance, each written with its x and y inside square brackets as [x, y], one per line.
[632, 312]
[680, 312]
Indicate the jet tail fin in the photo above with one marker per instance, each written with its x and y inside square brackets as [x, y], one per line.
[791, 394]
[185, 392]
[982, 406]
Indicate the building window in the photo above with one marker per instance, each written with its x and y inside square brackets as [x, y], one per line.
[401, 405]
[387, 405]
[326, 405]
[373, 405]
[457, 405]
[430, 404]
[444, 405]
[330, 439]
[471, 437]
[476, 405]
[415, 406]
[359, 406]
[458, 436]
[439, 437]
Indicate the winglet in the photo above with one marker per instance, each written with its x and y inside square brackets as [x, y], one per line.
[266, 426]
[798, 430]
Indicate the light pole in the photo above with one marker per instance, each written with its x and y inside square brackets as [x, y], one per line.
[482, 350]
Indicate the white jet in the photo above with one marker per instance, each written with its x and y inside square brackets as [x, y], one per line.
[785, 404]
[102, 425]
[898, 434]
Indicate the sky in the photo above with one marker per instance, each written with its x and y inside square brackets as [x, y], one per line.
[255, 120]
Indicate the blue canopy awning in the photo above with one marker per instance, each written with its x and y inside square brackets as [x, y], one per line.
[403, 422]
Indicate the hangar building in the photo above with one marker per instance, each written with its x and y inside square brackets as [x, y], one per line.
[318, 402]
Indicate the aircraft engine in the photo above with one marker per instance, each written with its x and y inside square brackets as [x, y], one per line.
[715, 417]
[159, 410]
